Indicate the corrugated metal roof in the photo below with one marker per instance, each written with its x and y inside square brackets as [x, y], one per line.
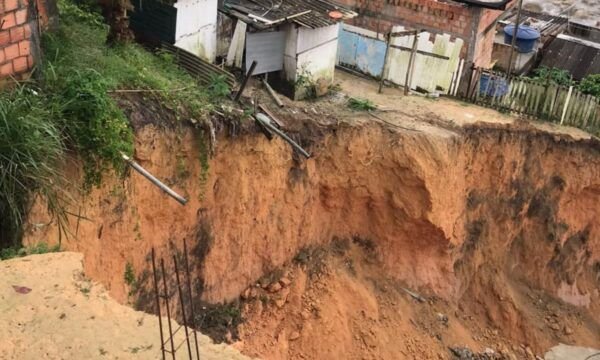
[266, 13]
[579, 57]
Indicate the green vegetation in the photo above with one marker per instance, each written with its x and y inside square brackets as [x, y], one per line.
[554, 75]
[591, 85]
[30, 149]
[305, 83]
[129, 275]
[75, 107]
[361, 104]
[14, 252]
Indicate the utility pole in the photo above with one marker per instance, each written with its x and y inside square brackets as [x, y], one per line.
[514, 39]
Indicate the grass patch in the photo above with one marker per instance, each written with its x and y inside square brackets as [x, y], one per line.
[31, 146]
[15, 252]
[359, 104]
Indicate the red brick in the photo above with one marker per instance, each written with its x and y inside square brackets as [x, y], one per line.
[16, 34]
[21, 16]
[1, 56]
[8, 21]
[4, 38]
[11, 51]
[27, 31]
[20, 64]
[6, 69]
[30, 61]
[10, 5]
[24, 47]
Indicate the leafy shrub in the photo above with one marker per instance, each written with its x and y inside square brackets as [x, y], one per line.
[556, 76]
[218, 87]
[591, 85]
[361, 104]
[93, 122]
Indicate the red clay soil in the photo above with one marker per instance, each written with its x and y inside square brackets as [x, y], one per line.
[498, 226]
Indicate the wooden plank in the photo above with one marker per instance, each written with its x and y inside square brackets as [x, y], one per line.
[566, 106]
[426, 53]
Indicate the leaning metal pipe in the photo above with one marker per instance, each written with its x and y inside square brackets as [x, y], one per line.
[264, 119]
[154, 180]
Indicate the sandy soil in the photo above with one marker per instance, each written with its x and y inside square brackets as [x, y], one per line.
[49, 310]
[491, 217]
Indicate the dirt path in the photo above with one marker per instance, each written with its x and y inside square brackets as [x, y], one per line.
[48, 310]
[442, 110]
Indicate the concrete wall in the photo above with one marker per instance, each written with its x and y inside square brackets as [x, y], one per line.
[317, 52]
[310, 53]
[196, 29]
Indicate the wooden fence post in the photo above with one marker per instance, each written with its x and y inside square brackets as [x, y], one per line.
[411, 64]
[388, 38]
[562, 119]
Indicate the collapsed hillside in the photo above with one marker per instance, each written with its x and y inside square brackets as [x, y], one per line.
[489, 222]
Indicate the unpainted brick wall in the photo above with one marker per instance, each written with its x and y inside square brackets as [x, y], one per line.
[456, 19]
[18, 36]
[431, 15]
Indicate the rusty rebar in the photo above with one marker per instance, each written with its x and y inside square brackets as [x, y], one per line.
[187, 338]
[162, 338]
[164, 276]
[189, 286]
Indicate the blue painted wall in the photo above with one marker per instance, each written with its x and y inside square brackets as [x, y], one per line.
[361, 53]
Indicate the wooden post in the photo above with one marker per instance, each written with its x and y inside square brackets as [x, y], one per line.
[388, 38]
[245, 81]
[411, 64]
[562, 119]
[514, 39]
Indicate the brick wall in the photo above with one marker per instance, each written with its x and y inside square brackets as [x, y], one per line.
[459, 20]
[431, 15]
[19, 38]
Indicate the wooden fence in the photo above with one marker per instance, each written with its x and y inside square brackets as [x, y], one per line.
[541, 99]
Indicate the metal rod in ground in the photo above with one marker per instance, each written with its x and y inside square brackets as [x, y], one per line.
[189, 286]
[245, 81]
[166, 289]
[264, 119]
[137, 167]
[187, 337]
[162, 338]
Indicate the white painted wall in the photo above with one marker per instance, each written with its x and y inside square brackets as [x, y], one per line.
[429, 72]
[289, 56]
[196, 29]
[311, 51]
[317, 52]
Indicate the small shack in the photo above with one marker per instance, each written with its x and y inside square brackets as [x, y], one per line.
[294, 42]
[188, 24]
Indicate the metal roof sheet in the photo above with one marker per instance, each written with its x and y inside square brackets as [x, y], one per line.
[579, 57]
[266, 13]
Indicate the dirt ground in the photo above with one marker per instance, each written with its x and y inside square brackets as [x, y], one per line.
[492, 220]
[50, 310]
[335, 303]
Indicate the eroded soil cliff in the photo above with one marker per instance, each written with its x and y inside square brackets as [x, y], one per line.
[497, 225]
